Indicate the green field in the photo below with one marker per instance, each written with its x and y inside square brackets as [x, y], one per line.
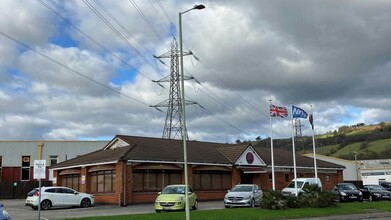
[258, 213]
[374, 146]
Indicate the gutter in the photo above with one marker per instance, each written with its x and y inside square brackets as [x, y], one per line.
[177, 162]
[84, 165]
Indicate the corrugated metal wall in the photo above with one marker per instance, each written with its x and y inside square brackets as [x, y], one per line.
[12, 151]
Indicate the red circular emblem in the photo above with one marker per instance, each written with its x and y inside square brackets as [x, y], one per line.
[250, 158]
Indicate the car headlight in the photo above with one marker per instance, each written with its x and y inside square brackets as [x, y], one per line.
[376, 194]
[179, 199]
[157, 199]
[247, 197]
[343, 194]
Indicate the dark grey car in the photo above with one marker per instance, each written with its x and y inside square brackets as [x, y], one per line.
[243, 195]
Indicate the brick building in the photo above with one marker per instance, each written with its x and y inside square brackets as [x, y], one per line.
[132, 169]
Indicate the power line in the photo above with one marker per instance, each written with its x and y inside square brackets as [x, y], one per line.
[90, 38]
[120, 35]
[70, 69]
[148, 22]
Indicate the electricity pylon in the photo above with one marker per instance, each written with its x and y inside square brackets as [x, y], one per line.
[173, 125]
[298, 133]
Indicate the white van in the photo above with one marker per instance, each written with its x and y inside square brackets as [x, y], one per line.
[301, 183]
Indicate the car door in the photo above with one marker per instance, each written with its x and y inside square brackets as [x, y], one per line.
[70, 196]
[54, 195]
[365, 192]
[257, 194]
[192, 197]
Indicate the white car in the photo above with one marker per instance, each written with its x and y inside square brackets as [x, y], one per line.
[243, 195]
[56, 196]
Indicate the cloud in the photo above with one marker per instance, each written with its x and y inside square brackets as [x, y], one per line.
[93, 81]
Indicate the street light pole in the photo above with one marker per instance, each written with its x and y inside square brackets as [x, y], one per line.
[184, 138]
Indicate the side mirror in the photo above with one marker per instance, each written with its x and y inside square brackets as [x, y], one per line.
[159, 193]
[228, 190]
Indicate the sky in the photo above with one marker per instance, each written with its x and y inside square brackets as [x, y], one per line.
[85, 69]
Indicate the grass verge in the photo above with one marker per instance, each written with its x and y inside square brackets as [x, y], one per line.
[258, 213]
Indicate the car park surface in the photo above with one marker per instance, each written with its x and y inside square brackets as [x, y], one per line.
[17, 210]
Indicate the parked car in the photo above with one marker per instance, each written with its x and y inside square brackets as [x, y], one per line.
[56, 196]
[172, 197]
[301, 183]
[4, 214]
[243, 195]
[386, 185]
[375, 192]
[348, 192]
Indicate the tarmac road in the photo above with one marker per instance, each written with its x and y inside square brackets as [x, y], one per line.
[18, 211]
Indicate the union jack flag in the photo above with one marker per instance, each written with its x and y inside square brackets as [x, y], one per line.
[276, 111]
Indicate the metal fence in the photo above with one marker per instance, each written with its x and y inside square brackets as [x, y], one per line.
[19, 189]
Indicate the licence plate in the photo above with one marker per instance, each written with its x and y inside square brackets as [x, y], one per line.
[167, 208]
[353, 197]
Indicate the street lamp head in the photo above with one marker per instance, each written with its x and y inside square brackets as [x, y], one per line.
[198, 7]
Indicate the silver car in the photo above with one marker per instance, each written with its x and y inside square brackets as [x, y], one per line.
[243, 195]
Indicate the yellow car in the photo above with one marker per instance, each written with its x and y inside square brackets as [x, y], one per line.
[172, 198]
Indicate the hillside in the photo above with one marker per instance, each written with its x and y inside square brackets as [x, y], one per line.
[364, 141]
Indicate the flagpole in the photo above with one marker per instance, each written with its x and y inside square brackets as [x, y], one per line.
[313, 146]
[294, 152]
[271, 149]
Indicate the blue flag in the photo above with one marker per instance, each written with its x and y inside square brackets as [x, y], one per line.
[298, 112]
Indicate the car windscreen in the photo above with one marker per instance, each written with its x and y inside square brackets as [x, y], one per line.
[375, 187]
[31, 193]
[242, 189]
[292, 184]
[174, 190]
[348, 187]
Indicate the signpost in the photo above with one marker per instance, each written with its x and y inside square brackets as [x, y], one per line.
[39, 173]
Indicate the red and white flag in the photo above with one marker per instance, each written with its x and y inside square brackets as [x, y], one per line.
[276, 111]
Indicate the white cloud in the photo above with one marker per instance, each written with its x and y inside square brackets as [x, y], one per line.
[331, 55]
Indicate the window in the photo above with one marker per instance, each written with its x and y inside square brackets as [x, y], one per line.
[270, 177]
[25, 168]
[153, 180]
[103, 181]
[211, 180]
[71, 181]
[328, 178]
[53, 160]
[287, 179]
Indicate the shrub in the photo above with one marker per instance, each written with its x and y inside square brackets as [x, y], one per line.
[273, 200]
[327, 199]
[312, 197]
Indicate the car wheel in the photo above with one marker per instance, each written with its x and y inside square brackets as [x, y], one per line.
[34, 207]
[227, 206]
[157, 211]
[252, 203]
[195, 206]
[46, 204]
[370, 198]
[85, 203]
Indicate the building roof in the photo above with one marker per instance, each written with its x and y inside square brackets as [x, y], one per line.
[146, 149]
[375, 164]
